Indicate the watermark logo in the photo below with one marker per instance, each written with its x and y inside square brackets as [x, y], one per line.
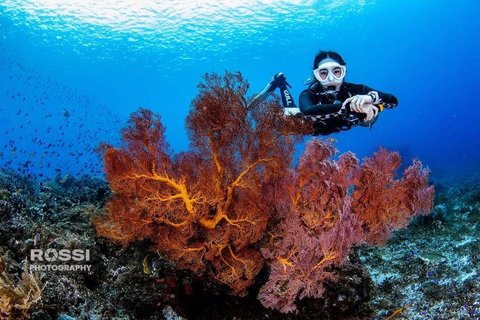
[59, 260]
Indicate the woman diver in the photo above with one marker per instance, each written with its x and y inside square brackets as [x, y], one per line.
[329, 102]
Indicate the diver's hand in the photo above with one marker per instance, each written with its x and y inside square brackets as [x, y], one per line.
[370, 110]
[363, 104]
[357, 102]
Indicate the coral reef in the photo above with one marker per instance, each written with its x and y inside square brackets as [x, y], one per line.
[209, 208]
[431, 270]
[131, 282]
[57, 214]
[203, 233]
[18, 297]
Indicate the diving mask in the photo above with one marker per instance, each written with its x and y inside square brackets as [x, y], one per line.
[330, 73]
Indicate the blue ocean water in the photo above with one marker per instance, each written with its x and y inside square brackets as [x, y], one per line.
[72, 71]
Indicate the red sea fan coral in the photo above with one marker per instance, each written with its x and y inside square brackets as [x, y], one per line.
[328, 207]
[316, 230]
[205, 208]
[233, 201]
[384, 203]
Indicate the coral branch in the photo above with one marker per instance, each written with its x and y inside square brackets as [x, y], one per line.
[179, 187]
[236, 183]
[329, 256]
[18, 297]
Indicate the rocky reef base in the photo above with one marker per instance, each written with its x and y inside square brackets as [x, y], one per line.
[431, 270]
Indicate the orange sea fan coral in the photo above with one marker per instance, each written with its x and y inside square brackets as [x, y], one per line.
[205, 207]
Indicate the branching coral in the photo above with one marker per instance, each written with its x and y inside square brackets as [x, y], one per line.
[328, 207]
[384, 203]
[204, 208]
[17, 297]
[234, 202]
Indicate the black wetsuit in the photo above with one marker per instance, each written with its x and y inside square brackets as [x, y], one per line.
[323, 108]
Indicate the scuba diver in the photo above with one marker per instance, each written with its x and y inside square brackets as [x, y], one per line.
[330, 103]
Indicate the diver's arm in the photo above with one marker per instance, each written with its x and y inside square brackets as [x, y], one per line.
[387, 100]
[309, 107]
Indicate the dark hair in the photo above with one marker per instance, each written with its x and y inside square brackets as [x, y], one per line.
[327, 54]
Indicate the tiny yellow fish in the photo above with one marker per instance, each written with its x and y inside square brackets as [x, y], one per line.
[397, 312]
[147, 264]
